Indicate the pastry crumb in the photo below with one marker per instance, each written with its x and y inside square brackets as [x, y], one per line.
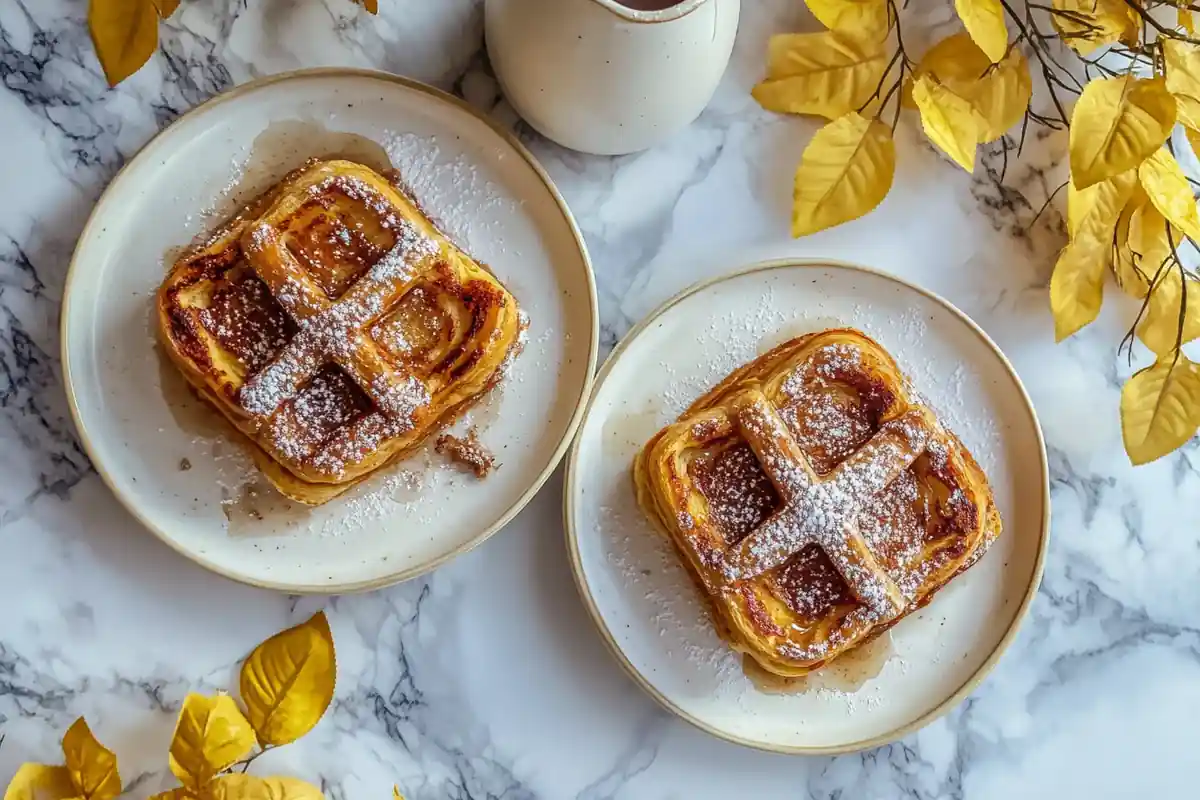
[467, 452]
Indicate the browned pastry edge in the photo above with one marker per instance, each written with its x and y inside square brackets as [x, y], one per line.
[296, 488]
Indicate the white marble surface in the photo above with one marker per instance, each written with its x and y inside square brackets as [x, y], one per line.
[486, 680]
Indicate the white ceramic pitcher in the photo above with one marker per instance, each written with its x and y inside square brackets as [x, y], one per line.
[604, 77]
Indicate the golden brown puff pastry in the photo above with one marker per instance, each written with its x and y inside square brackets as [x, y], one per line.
[815, 500]
[335, 327]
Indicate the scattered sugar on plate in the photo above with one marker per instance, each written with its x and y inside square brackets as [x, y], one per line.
[464, 204]
[410, 488]
[221, 204]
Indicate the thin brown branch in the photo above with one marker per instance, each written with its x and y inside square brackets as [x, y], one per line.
[1162, 30]
[1049, 198]
[883, 79]
[248, 760]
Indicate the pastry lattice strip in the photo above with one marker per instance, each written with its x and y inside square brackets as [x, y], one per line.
[336, 331]
[824, 510]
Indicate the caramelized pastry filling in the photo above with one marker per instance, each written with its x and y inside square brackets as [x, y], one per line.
[895, 521]
[418, 330]
[830, 424]
[740, 495]
[835, 409]
[950, 511]
[336, 240]
[246, 320]
[323, 408]
[810, 585]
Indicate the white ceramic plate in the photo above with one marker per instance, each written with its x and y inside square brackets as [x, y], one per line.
[168, 459]
[643, 601]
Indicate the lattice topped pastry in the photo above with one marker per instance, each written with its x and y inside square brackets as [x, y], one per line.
[336, 327]
[815, 500]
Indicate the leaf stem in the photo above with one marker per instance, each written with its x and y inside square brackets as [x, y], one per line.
[882, 78]
[246, 762]
[1031, 34]
[1182, 294]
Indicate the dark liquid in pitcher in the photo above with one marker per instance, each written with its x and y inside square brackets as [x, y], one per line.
[649, 5]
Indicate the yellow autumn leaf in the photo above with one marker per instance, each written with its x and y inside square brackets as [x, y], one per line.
[210, 735]
[40, 782]
[92, 766]
[178, 793]
[955, 61]
[827, 73]
[846, 171]
[1193, 138]
[1142, 245]
[166, 7]
[1182, 61]
[862, 19]
[1159, 327]
[1116, 125]
[1186, 20]
[1093, 212]
[1001, 97]
[984, 21]
[1187, 112]
[287, 682]
[1160, 406]
[1126, 264]
[396, 793]
[1087, 24]
[125, 35]
[1168, 188]
[999, 93]
[1077, 286]
[948, 120]
[1148, 237]
[251, 787]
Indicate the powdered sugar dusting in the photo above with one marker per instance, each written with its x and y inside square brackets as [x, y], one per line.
[734, 338]
[464, 204]
[824, 511]
[413, 491]
[411, 247]
[224, 195]
[400, 399]
[335, 331]
[666, 596]
[504, 371]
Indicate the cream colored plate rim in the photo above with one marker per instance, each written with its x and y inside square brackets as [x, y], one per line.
[930, 715]
[149, 150]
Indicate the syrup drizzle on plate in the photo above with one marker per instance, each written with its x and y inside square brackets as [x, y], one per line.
[847, 673]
